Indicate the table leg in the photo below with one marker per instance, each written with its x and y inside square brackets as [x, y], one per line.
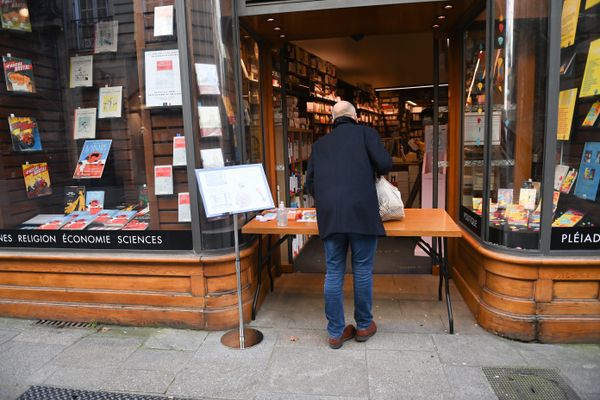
[269, 262]
[444, 260]
[259, 277]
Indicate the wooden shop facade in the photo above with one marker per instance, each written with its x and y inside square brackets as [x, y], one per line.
[110, 106]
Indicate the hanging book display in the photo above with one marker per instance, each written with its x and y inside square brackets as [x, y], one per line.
[106, 36]
[92, 159]
[15, 15]
[24, 134]
[18, 73]
[589, 172]
[212, 158]
[84, 123]
[179, 157]
[183, 207]
[210, 121]
[37, 180]
[207, 79]
[163, 179]
[110, 102]
[81, 71]
[162, 78]
[163, 21]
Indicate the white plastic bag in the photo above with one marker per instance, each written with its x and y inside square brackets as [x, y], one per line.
[390, 200]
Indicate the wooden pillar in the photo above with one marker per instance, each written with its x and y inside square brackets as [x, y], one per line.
[266, 93]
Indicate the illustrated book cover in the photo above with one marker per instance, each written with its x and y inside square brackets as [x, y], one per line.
[120, 218]
[84, 123]
[589, 172]
[24, 134]
[94, 201]
[592, 115]
[106, 36]
[568, 219]
[183, 207]
[210, 121]
[179, 156]
[80, 221]
[15, 15]
[92, 159]
[163, 179]
[56, 223]
[81, 72]
[207, 78]
[110, 102]
[74, 199]
[18, 73]
[37, 180]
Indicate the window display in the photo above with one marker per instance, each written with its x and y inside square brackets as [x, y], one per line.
[80, 142]
[576, 224]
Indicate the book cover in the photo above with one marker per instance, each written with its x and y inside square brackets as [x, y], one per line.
[106, 36]
[18, 73]
[110, 102]
[163, 179]
[41, 219]
[179, 156]
[104, 215]
[37, 180]
[568, 219]
[79, 221]
[163, 21]
[505, 197]
[477, 203]
[136, 225]
[56, 223]
[74, 199]
[24, 134]
[589, 172]
[516, 215]
[120, 218]
[566, 107]
[81, 72]
[92, 159]
[207, 78]
[569, 180]
[590, 85]
[15, 15]
[210, 121]
[527, 198]
[94, 201]
[212, 158]
[592, 115]
[84, 123]
[560, 172]
[184, 213]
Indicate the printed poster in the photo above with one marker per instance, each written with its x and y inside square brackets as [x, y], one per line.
[568, 22]
[37, 180]
[106, 37]
[163, 82]
[110, 102]
[179, 157]
[210, 121]
[163, 179]
[84, 124]
[15, 15]
[184, 213]
[590, 86]
[92, 159]
[18, 73]
[163, 21]
[207, 78]
[24, 134]
[589, 172]
[81, 73]
[566, 106]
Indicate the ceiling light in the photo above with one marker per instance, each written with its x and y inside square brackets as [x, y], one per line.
[282, 35]
[277, 28]
[448, 6]
[436, 26]
[270, 19]
[412, 103]
[441, 17]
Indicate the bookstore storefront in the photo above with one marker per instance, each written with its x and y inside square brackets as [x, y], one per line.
[109, 107]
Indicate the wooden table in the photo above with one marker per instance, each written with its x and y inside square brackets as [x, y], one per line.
[417, 223]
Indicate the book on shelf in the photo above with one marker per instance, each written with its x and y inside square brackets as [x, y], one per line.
[163, 180]
[84, 123]
[37, 180]
[104, 215]
[183, 207]
[79, 221]
[106, 36]
[81, 71]
[24, 134]
[15, 15]
[210, 121]
[74, 199]
[589, 172]
[94, 201]
[592, 115]
[120, 218]
[55, 223]
[207, 78]
[179, 155]
[569, 218]
[569, 180]
[136, 225]
[18, 74]
[41, 219]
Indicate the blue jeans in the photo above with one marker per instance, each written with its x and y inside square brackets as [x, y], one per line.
[363, 251]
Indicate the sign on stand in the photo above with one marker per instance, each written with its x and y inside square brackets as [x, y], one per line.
[231, 191]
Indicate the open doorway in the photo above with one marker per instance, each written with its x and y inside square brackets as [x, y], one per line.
[380, 58]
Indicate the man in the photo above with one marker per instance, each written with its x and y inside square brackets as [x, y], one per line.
[341, 177]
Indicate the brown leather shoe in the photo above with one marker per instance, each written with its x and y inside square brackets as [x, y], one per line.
[349, 332]
[362, 335]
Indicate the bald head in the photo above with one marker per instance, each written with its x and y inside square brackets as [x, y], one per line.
[344, 109]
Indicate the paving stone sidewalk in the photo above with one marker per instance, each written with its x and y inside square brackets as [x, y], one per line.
[411, 357]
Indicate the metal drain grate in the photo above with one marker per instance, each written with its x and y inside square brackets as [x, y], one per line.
[56, 393]
[529, 384]
[64, 324]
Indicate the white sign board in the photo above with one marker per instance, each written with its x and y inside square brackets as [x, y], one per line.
[474, 128]
[163, 83]
[234, 190]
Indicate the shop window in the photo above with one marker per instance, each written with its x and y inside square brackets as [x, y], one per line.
[577, 171]
[251, 97]
[91, 113]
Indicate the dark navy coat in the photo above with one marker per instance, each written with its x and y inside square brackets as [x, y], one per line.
[341, 177]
